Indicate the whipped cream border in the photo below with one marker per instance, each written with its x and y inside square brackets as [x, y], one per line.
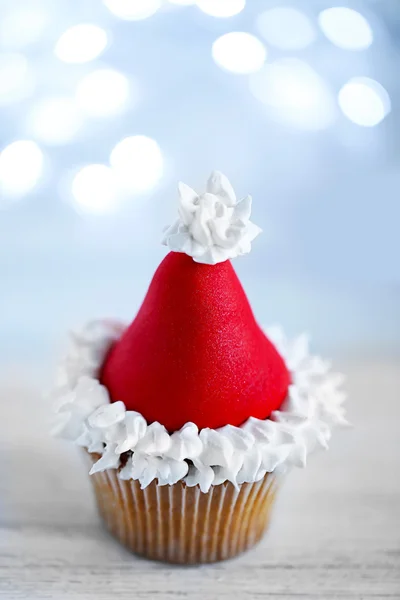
[208, 457]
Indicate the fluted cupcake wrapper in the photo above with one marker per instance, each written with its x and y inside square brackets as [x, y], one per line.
[181, 524]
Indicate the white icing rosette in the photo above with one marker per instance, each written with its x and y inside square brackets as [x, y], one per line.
[214, 226]
[85, 415]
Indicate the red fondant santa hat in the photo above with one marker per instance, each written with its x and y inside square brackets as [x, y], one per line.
[194, 352]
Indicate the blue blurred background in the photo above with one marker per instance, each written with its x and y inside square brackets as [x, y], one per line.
[104, 106]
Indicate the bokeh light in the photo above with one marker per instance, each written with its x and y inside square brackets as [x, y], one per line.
[133, 10]
[22, 26]
[295, 94]
[183, 2]
[346, 28]
[286, 28]
[81, 43]
[364, 101]
[54, 120]
[16, 78]
[137, 162]
[221, 8]
[239, 52]
[102, 92]
[21, 165]
[95, 190]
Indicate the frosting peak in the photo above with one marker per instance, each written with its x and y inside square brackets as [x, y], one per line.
[212, 227]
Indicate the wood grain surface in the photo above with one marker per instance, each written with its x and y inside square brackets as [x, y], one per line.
[335, 531]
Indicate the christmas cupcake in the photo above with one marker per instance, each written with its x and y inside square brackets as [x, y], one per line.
[190, 415]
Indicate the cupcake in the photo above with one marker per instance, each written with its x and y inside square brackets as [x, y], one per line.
[190, 416]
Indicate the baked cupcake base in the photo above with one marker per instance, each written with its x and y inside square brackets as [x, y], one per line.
[181, 524]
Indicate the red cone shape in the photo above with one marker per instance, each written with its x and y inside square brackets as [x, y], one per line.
[195, 352]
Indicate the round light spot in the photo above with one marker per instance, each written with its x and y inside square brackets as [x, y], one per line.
[221, 8]
[102, 92]
[364, 101]
[16, 79]
[346, 28]
[21, 165]
[81, 43]
[95, 190]
[137, 162]
[22, 27]
[239, 52]
[55, 120]
[133, 10]
[294, 93]
[286, 28]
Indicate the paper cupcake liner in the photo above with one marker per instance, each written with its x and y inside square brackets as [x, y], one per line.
[181, 524]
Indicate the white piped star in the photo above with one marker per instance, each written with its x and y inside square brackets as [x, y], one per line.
[212, 227]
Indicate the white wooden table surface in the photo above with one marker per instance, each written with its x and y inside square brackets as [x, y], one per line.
[336, 531]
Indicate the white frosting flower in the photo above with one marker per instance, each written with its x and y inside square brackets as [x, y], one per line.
[145, 468]
[78, 404]
[186, 443]
[110, 459]
[211, 456]
[135, 429]
[212, 227]
[155, 442]
[201, 475]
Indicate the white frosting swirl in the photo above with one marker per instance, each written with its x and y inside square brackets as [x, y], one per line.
[212, 227]
[209, 457]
